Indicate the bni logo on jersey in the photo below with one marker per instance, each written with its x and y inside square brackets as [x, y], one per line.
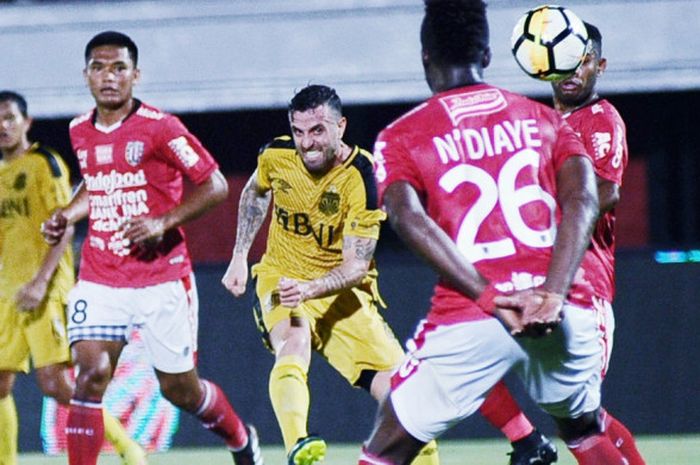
[134, 152]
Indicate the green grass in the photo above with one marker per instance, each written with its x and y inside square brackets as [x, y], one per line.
[661, 450]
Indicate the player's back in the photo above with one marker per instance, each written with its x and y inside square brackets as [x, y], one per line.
[484, 161]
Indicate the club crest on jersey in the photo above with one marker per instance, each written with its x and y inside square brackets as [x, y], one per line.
[134, 152]
[330, 203]
[20, 182]
[467, 104]
[82, 155]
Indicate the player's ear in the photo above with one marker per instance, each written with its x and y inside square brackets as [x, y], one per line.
[137, 75]
[602, 64]
[486, 57]
[342, 124]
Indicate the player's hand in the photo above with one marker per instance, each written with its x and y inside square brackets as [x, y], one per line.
[541, 310]
[511, 318]
[31, 295]
[236, 276]
[542, 320]
[53, 228]
[292, 292]
[143, 231]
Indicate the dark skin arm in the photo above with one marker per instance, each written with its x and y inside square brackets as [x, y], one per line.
[608, 194]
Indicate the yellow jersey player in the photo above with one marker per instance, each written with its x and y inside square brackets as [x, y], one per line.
[34, 277]
[316, 284]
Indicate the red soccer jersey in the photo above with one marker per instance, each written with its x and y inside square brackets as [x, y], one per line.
[133, 169]
[484, 161]
[603, 133]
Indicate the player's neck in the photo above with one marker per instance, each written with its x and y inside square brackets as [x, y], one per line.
[17, 151]
[444, 79]
[110, 116]
[564, 108]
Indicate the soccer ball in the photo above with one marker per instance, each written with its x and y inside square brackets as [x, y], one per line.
[549, 42]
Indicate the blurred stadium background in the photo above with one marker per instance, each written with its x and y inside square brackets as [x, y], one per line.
[228, 68]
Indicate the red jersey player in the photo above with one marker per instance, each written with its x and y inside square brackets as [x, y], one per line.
[496, 193]
[135, 268]
[602, 131]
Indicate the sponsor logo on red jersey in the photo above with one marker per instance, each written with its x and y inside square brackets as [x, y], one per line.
[468, 104]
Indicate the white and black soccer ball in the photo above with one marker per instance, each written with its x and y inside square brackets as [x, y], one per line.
[549, 42]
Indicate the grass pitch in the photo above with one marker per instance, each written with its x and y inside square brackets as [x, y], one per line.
[661, 450]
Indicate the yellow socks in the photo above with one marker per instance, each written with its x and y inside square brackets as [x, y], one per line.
[8, 431]
[428, 455]
[130, 451]
[289, 394]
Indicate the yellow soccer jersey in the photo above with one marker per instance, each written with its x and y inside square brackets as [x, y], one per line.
[31, 187]
[311, 214]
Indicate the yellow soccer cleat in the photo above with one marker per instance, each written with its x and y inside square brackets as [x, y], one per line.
[307, 451]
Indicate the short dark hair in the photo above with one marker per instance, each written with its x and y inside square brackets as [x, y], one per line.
[596, 38]
[455, 32]
[11, 96]
[313, 96]
[113, 38]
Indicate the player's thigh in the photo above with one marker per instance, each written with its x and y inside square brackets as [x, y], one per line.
[45, 330]
[267, 310]
[97, 312]
[605, 318]
[351, 334]
[447, 375]
[14, 350]
[169, 321]
[563, 371]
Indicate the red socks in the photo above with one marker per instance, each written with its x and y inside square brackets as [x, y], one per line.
[621, 438]
[217, 415]
[501, 410]
[597, 450]
[85, 432]
[369, 459]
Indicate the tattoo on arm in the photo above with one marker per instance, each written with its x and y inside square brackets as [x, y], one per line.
[251, 214]
[364, 248]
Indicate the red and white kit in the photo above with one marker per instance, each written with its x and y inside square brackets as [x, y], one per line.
[603, 133]
[484, 161]
[135, 168]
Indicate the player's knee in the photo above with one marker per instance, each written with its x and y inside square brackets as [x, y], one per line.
[574, 429]
[7, 381]
[180, 395]
[92, 381]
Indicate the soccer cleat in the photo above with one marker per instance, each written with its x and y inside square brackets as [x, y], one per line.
[133, 454]
[251, 453]
[307, 451]
[542, 452]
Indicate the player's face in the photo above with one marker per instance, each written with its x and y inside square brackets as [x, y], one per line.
[578, 88]
[110, 74]
[13, 126]
[318, 134]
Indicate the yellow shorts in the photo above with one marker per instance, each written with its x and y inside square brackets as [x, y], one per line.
[346, 328]
[40, 333]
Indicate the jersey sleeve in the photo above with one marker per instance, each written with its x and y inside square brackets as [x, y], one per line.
[393, 163]
[567, 144]
[364, 216]
[183, 150]
[606, 140]
[263, 170]
[53, 180]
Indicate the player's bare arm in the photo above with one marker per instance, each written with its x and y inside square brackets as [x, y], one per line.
[32, 294]
[54, 228]
[252, 210]
[357, 256]
[608, 194]
[205, 196]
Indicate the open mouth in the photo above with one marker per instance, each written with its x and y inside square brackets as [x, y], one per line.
[313, 156]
